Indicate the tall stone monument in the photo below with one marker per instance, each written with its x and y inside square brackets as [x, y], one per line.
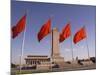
[55, 55]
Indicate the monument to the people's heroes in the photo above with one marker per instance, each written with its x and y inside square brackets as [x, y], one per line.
[55, 55]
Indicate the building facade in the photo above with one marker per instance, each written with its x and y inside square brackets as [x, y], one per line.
[36, 59]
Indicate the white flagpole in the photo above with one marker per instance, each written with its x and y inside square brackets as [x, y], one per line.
[87, 46]
[72, 48]
[22, 49]
[51, 55]
[51, 45]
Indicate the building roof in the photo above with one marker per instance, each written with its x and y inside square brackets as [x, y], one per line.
[36, 57]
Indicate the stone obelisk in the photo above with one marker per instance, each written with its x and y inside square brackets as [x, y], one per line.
[55, 55]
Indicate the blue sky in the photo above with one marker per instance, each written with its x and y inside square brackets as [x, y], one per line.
[38, 14]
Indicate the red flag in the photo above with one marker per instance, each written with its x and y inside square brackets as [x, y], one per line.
[20, 26]
[80, 35]
[66, 32]
[45, 30]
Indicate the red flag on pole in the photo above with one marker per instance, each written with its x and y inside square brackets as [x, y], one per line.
[80, 35]
[45, 30]
[66, 32]
[20, 26]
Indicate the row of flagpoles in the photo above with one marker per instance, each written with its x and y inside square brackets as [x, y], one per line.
[45, 30]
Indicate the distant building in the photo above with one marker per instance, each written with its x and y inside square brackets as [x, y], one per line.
[36, 59]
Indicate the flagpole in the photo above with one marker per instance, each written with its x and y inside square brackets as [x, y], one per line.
[51, 53]
[87, 49]
[87, 45]
[22, 49]
[72, 49]
[51, 17]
